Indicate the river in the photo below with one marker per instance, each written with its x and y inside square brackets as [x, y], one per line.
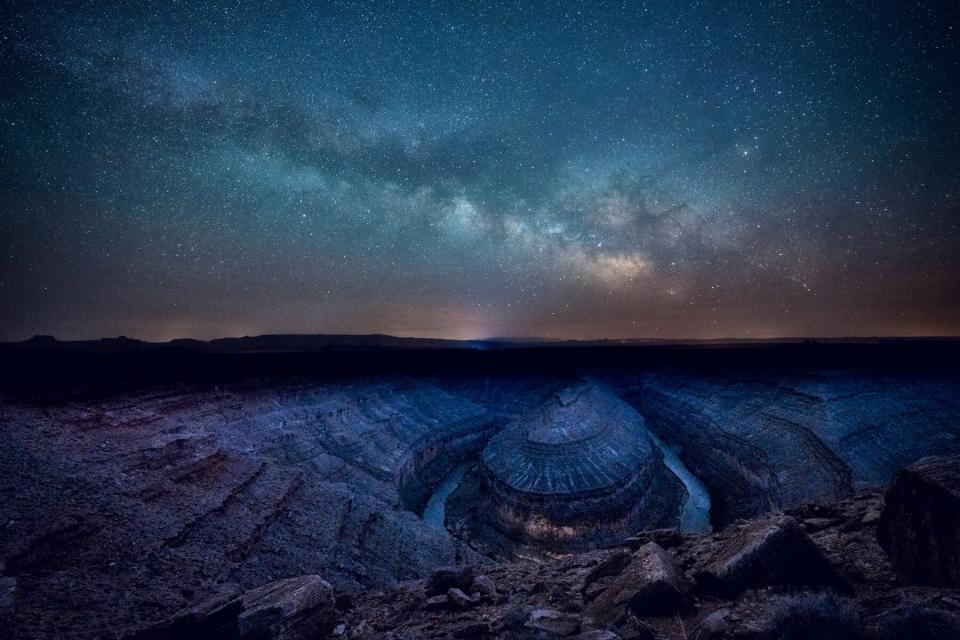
[695, 517]
[435, 511]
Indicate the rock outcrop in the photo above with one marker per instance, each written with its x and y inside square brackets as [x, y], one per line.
[920, 522]
[769, 551]
[749, 441]
[300, 608]
[403, 432]
[651, 585]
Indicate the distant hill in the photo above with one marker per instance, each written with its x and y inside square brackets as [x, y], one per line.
[308, 343]
[279, 343]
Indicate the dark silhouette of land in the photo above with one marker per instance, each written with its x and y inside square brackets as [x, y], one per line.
[43, 362]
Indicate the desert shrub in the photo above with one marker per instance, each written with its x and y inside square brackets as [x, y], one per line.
[814, 616]
[916, 621]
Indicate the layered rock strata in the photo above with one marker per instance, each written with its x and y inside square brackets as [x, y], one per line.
[122, 508]
[407, 433]
[576, 465]
[766, 440]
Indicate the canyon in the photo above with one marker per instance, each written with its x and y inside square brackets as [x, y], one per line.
[139, 483]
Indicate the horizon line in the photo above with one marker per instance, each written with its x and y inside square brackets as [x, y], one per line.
[494, 339]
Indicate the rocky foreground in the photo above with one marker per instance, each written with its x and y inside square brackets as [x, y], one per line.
[872, 566]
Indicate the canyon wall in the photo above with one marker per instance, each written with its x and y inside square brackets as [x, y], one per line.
[767, 439]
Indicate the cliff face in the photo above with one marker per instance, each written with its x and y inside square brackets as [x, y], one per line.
[405, 433]
[761, 441]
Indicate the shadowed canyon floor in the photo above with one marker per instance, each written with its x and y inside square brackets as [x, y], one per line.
[127, 501]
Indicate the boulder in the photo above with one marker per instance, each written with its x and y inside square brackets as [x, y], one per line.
[448, 578]
[459, 598]
[512, 620]
[812, 525]
[290, 609]
[484, 586]
[297, 608]
[435, 603]
[666, 538]
[917, 621]
[553, 622]
[594, 589]
[610, 566]
[596, 634]
[651, 585]
[920, 523]
[213, 619]
[714, 625]
[770, 551]
[805, 616]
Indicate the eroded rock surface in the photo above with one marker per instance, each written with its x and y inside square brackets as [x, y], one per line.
[122, 509]
[764, 552]
[651, 585]
[920, 523]
[579, 463]
[766, 440]
[299, 608]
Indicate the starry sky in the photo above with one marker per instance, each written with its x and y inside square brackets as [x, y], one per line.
[570, 170]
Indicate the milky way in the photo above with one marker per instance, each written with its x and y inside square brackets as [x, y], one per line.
[660, 169]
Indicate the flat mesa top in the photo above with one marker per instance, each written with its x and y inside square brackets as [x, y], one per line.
[585, 438]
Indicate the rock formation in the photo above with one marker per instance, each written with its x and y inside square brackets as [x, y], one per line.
[300, 608]
[651, 585]
[765, 552]
[577, 464]
[121, 509]
[766, 440]
[920, 523]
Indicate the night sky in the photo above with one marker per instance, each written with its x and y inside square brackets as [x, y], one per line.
[659, 169]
